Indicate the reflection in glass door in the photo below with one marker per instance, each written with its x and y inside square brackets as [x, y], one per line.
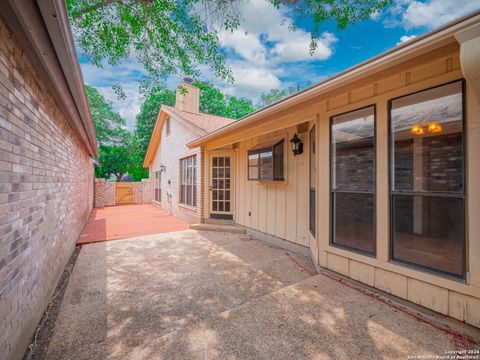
[220, 184]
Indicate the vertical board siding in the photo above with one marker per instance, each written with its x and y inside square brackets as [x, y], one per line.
[278, 208]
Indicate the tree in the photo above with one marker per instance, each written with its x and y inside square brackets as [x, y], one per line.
[275, 95]
[108, 124]
[214, 102]
[237, 108]
[116, 160]
[148, 115]
[175, 37]
[117, 147]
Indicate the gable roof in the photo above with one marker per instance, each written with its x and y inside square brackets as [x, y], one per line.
[205, 122]
[201, 124]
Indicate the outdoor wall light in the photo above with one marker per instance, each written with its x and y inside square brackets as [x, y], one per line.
[163, 168]
[297, 145]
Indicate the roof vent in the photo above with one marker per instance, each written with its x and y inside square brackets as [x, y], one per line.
[188, 80]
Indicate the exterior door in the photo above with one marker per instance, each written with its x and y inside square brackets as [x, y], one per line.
[221, 194]
[123, 193]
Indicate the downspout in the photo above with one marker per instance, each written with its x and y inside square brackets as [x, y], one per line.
[469, 40]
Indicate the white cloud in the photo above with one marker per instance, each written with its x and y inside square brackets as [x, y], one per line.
[406, 38]
[251, 81]
[263, 23]
[431, 14]
[244, 44]
[127, 74]
[265, 46]
[295, 47]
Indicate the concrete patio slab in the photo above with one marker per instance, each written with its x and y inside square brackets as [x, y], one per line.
[126, 221]
[211, 295]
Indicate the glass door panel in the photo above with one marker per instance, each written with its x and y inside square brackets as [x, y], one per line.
[220, 184]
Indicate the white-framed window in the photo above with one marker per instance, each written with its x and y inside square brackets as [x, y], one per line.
[188, 181]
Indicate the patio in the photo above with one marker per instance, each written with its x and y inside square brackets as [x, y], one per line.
[207, 295]
[120, 222]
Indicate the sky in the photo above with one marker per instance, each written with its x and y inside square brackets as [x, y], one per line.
[265, 54]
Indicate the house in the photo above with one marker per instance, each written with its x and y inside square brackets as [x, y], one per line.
[175, 169]
[385, 190]
[47, 142]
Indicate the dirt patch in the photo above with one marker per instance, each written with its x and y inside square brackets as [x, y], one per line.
[43, 333]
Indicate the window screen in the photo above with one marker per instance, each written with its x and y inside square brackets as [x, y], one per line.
[427, 160]
[353, 180]
[266, 161]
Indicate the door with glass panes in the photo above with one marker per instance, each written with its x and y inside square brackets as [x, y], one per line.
[221, 192]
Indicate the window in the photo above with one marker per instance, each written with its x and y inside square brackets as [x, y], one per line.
[352, 178]
[167, 126]
[265, 161]
[427, 179]
[312, 180]
[188, 176]
[157, 186]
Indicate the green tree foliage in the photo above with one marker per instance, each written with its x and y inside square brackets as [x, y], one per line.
[212, 101]
[148, 115]
[118, 148]
[116, 160]
[109, 125]
[175, 37]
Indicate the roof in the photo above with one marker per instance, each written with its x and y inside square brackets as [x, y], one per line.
[206, 122]
[201, 124]
[43, 30]
[406, 51]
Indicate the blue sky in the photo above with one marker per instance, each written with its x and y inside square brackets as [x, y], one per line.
[264, 54]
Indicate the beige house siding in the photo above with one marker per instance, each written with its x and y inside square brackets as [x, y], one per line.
[281, 208]
[271, 206]
[170, 151]
[46, 195]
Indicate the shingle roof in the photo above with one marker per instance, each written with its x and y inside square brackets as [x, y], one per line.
[205, 122]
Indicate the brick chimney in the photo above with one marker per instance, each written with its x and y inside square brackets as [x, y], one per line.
[190, 101]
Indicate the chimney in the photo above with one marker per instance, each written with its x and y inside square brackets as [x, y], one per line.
[190, 100]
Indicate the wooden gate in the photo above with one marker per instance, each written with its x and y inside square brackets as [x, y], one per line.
[123, 193]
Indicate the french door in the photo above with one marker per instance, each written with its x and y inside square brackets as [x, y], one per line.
[221, 194]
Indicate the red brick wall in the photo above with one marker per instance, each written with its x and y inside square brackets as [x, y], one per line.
[46, 195]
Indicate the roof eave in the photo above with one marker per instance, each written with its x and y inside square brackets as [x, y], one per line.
[417, 46]
[156, 133]
[43, 30]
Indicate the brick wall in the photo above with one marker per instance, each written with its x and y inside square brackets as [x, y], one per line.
[105, 192]
[171, 150]
[46, 195]
[147, 191]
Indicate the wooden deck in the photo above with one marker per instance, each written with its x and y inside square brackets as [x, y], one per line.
[121, 222]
